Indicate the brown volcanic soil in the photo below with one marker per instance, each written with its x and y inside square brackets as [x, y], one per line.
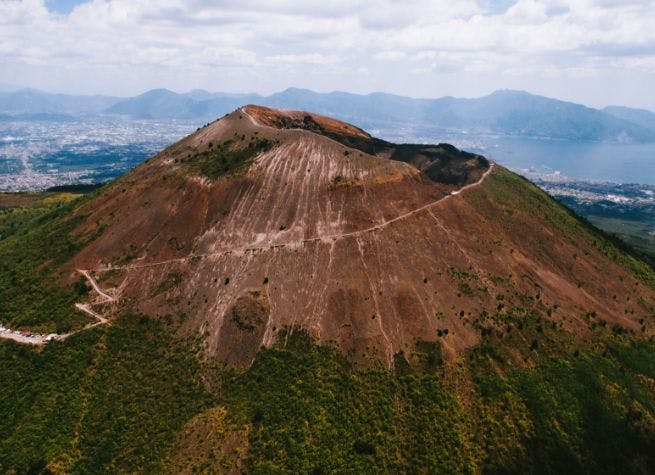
[290, 119]
[318, 233]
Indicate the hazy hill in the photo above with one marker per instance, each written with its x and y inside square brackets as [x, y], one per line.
[159, 104]
[31, 101]
[520, 113]
[503, 112]
[165, 104]
[642, 117]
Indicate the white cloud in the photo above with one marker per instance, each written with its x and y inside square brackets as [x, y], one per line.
[122, 46]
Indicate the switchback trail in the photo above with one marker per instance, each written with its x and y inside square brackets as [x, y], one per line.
[41, 339]
[94, 284]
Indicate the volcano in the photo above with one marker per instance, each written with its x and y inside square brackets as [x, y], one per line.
[280, 292]
[266, 220]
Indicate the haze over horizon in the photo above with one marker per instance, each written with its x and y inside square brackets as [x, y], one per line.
[14, 88]
[594, 52]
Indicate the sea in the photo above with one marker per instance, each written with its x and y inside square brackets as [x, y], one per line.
[619, 163]
[586, 161]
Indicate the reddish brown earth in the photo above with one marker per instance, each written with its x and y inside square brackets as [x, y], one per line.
[361, 250]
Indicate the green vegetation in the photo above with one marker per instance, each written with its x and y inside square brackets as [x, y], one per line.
[636, 233]
[521, 199]
[106, 400]
[17, 210]
[586, 411]
[228, 158]
[462, 275]
[632, 222]
[116, 398]
[311, 413]
[34, 241]
[131, 396]
[342, 181]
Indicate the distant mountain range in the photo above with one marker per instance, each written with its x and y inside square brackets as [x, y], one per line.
[504, 112]
[33, 101]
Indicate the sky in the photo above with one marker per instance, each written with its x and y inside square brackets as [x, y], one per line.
[595, 52]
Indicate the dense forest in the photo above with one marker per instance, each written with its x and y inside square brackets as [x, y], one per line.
[131, 397]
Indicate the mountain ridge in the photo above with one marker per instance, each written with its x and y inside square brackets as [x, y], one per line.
[281, 218]
[515, 113]
[641, 117]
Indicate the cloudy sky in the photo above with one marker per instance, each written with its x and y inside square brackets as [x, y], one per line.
[597, 52]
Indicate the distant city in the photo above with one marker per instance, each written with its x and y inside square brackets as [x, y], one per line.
[38, 154]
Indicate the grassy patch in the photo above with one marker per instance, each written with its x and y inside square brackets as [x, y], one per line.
[637, 233]
[340, 181]
[228, 158]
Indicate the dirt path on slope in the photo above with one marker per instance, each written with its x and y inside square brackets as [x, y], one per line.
[42, 339]
[94, 284]
[327, 238]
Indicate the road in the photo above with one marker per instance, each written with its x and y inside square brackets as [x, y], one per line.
[42, 339]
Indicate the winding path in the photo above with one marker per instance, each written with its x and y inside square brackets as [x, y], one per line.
[106, 297]
[326, 238]
[41, 339]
